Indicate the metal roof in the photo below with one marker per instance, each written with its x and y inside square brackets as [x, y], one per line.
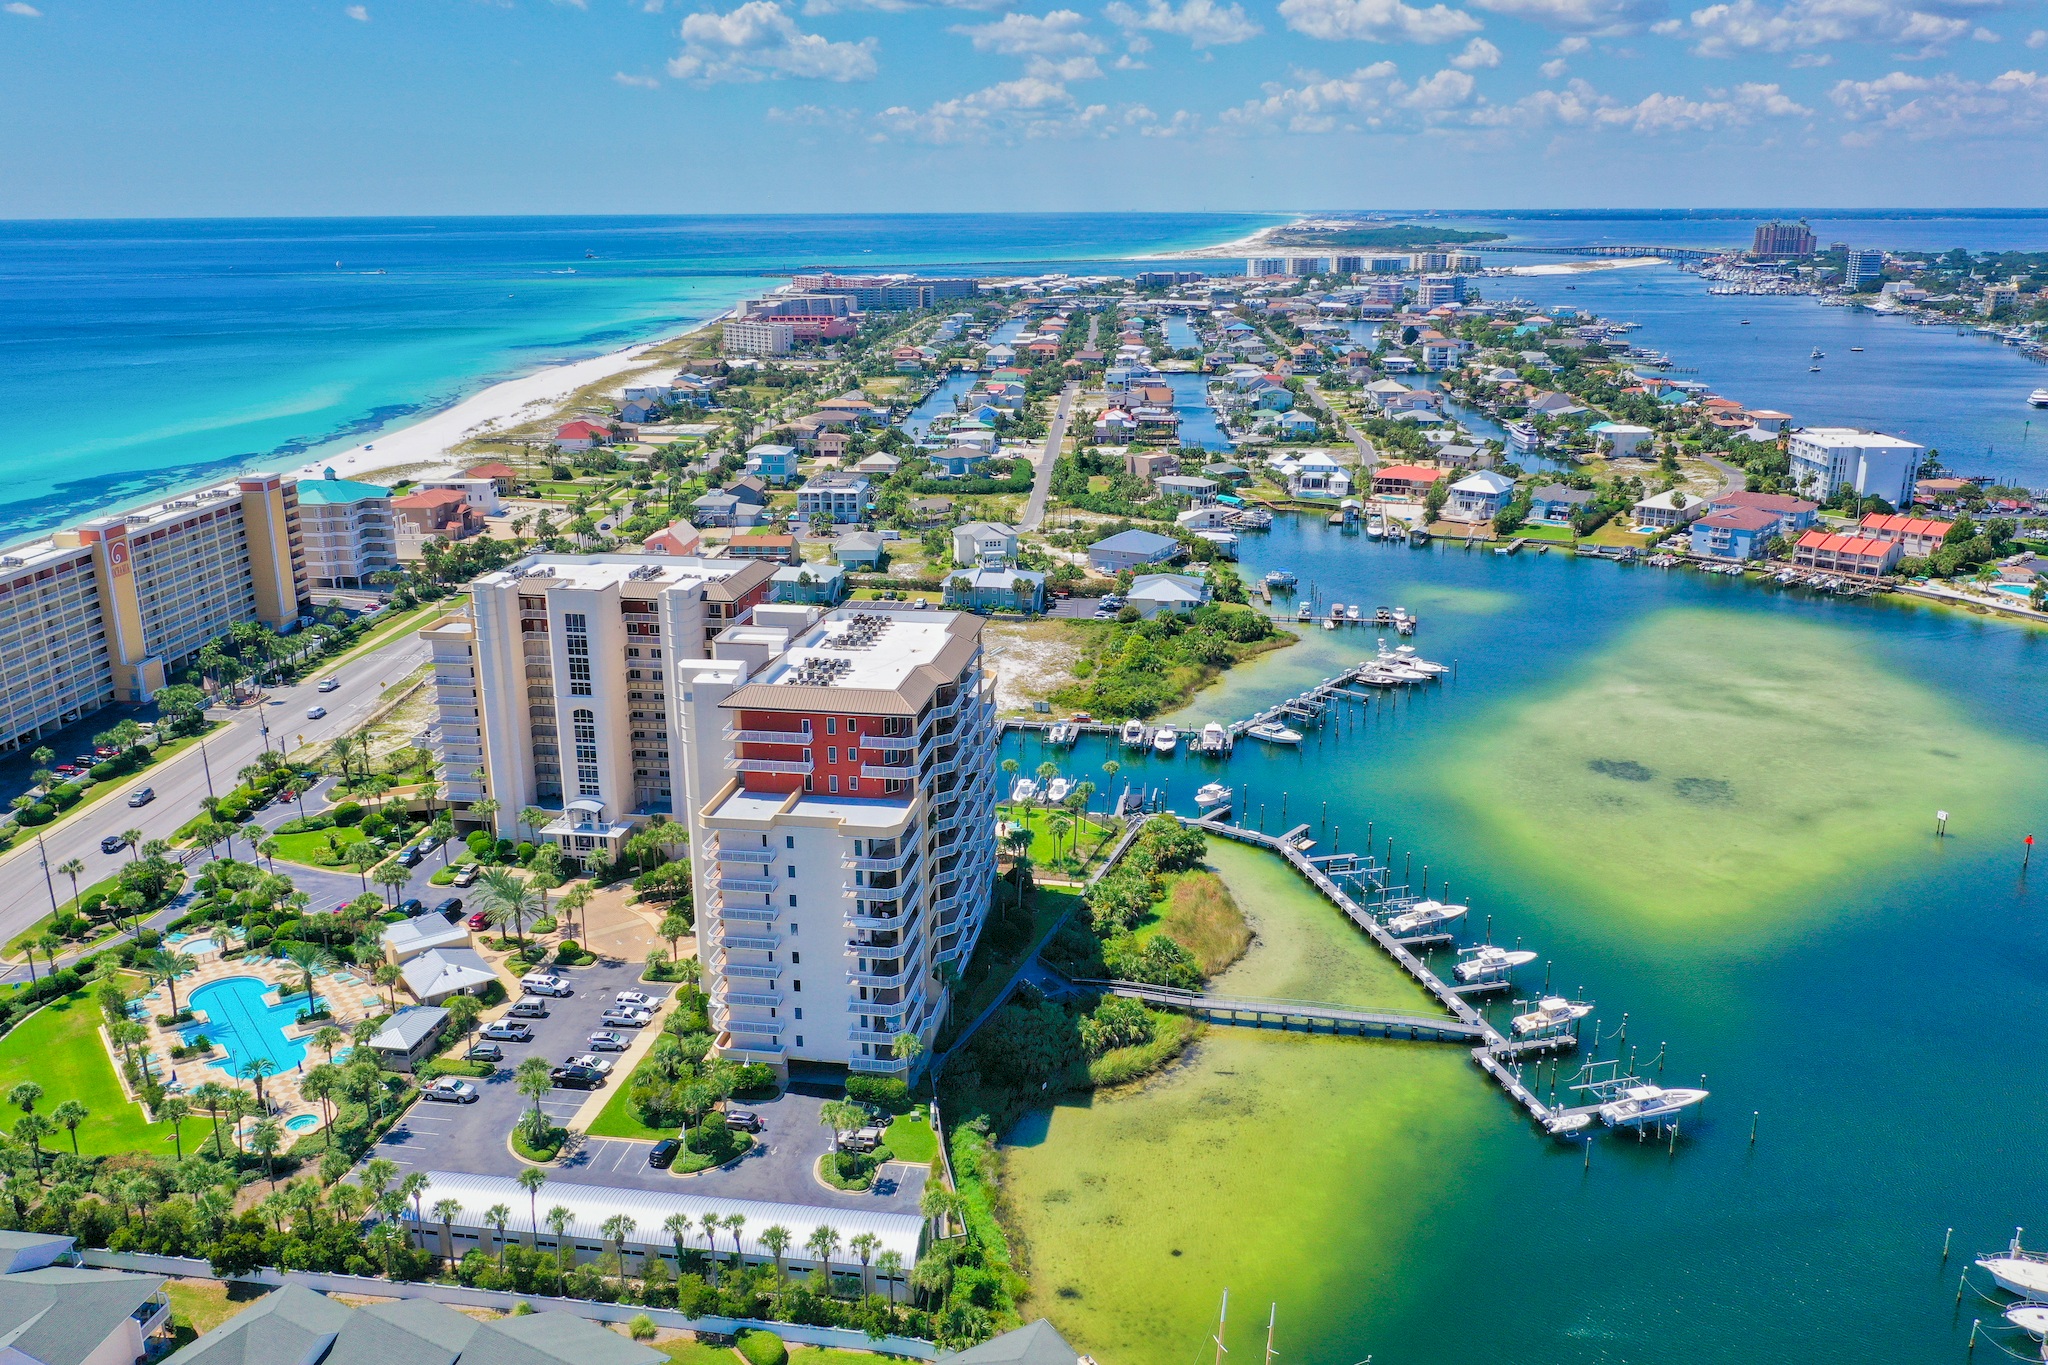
[590, 1206]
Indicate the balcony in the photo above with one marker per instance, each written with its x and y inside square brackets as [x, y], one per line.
[873, 982]
[747, 914]
[877, 924]
[799, 738]
[887, 1066]
[755, 999]
[755, 1028]
[769, 765]
[888, 772]
[751, 971]
[861, 1035]
[750, 1047]
[895, 864]
[743, 855]
[760, 885]
[753, 943]
[907, 743]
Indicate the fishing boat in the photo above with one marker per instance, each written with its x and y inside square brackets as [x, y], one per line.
[1819, 354]
[1212, 798]
[1641, 1104]
[1057, 789]
[1280, 579]
[1376, 526]
[1552, 1012]
[1492, 963]
[2018, 1271]
[2038, 399]
[1165, 740]
[1855, 348]
[1135, 735]
[1064, 733]
[1424, 917]
[1305, 613]
[1024, 789]
[1351, 612]
[1215, 739]
[1274, 733]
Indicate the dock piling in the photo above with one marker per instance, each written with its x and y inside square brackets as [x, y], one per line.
[1752, 1126]
[1944, 1244]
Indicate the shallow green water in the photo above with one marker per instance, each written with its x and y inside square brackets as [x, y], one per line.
[1785, 920]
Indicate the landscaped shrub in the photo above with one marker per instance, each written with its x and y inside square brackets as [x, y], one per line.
[763, 1348]
[347, 813]
[891, 1093]
[572, 954]
[641, 1328]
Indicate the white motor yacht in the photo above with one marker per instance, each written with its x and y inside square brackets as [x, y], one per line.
[1213, 797]
[1424, 917]
[1305, 613]
[1024, 789]
[1351, 611]
[1376, 526]
[2038, 398]
[1135, 734]
[1274, 733]
[2018, 1271]
[1552, 1012]
[1491, 963]
[2031, 1318]
[1165, 740]
[1639, 1104]
[1056, 790]
[1215, 739]
[1407, 655]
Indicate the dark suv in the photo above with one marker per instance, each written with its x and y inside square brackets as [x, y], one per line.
[575, 1078]
[663, 1153]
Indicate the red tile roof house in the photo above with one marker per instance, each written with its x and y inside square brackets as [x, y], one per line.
[1794, 514]
[503, 476]
[581, 435]
[1857, 556]
[1404, 481]
[1737, 533]
[1917, 537]
[437, 511]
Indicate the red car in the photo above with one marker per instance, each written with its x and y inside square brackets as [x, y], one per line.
[479, 920]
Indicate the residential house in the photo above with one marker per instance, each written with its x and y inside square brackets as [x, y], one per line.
[677, 538]
[408, 1037]
[1174, 593]
[581, 435]
[857, 407]
[843, 496]
[859, 550]
[502, 476]
[1317, 474]
[635, 412]
[1674, 507]
[1794, 514]
[1273, 398]
[929, 512]
[1214, 517]
[1192, 487]
[1555, 505]
[809, 584]
[984, 542]
[1478, 497]
[1554, 405]
[68, 1315]
[1405, 481]
[723, 509]
[441, 512]
[880, 465]
[1131, 550]
[1037, 1344]
[958, 461]
[772, 464]
[1737, 533]
[1115, 425]
[21, 1251]
[995, 588]
[1621, 439]
[1157, 426]
[408, 938]
[439, 973]
[772, 547]
[1857, 556]
[1150, 465]
[1917, 537]
[1227, 474]
[1296, 426]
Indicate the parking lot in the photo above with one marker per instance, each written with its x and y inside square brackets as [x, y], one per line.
[780, 1166]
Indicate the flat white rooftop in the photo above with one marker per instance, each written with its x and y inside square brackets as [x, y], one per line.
[601, 571]
[854, 649]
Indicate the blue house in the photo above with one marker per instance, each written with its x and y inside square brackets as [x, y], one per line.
[813, 584]
[1131, 550]
[1297, 424]
[775, 464]
[957, 462]
[992, 589]
[858, 550]
[1274, 399]
[1555, 505]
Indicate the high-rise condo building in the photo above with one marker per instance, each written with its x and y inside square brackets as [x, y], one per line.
[1781, 241]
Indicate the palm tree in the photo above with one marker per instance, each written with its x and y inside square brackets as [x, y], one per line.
[327, 1039]
[50, 944]
[392, 876]
[712, 1223]
[733, 1223]
[679, 1227]
[1060, 824]
[907, 1047]
[559, 1219]
[264, 1139]
[617, 1228]
[412, 1187]
[255, 1069]
[24, 1096]
[532, 818]
[133, 838]
[486, 810]
[167, 966]
[531, 1179]
[824, 1240]
[574, 901]
[776, 1238]
[498, 1215]
[363, 855]
[173, 1111]
[308, 958]
[674, 925]
[1010, 767]
[388, 977]
[510, 899]
[212, 1097]
[463, 1013]
[532, 1080]
[839, 1116]
[445, 1211]
[864, 1245]
[890, 1265]
[319, 1083]
[71, 867]
[69, 1115]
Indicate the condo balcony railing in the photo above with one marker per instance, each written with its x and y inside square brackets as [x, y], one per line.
[749, 1047]
[751, 884]
[796, 737]
[892, 742]
[878, 1065]
[755, 1028]
[742, 855]
[768, 765]
[753, 943]
[862, 1035]
[752, 971]
[747, 914]
[901, 860]
[755, 999]
[876, 982]
[888, 772]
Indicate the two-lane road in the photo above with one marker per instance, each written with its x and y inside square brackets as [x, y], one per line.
[182, 781]
[1041, 487]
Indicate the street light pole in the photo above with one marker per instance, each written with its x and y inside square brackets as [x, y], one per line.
[208, 766]
[44, 855]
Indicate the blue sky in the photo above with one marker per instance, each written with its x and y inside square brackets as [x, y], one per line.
[474, 106]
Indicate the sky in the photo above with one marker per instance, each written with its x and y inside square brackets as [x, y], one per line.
[281, 107]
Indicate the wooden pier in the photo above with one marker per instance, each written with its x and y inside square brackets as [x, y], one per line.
[1311, 1016]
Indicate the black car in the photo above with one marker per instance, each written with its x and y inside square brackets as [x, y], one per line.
[575, 1078]
[662, 1153]
[411, 907]
[113, 843]
[410, 857]
[450, 909]
[746, 1120]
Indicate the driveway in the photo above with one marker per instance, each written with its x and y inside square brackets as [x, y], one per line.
[778, 1168]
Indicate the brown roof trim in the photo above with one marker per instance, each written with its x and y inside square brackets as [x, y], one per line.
[736, 585]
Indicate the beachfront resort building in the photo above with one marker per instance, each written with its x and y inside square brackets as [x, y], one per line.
[350, 531]
[102, 613]
[1827, 459]
[840, 778]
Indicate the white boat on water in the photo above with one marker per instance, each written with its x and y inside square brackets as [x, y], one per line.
[1305, 613]
[1330, 621]
[1213, 797]
[2018, 1271]
[2031, 1318]
[2038, 398]
[1640, 1104]
[1135, 735]
[1492, 963]
[1066, 732]
[1274, 733]
[1024, 789]
[1215, 739]
[1424, 917]
[1376, 526]
[1165, 740]
[1057, 790]
[1351, 612]
[1406, 654]
[1552, 1012]
[1280, 578]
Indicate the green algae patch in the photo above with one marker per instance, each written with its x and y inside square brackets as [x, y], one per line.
[1452, 599]
[1716, 769]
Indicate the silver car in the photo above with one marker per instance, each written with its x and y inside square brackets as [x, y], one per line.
[608, 1042]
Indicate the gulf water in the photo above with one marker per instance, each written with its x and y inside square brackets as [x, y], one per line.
[1708, 804]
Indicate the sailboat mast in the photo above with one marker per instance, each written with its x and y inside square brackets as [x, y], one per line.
[1221, 1315]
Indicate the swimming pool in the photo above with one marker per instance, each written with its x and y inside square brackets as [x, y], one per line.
[240, 1020]
[2014, 589]
[299, 1123]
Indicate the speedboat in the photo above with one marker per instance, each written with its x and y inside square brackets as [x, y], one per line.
[1330, 621]
[1135, 734]
[2038, 398]
[1492, 963]
[1305, 613]
[1057, 789]
[1855, 348]
[1215, 739]
[1274, 733]
[1376, 526]
[1165, 740]
[1024, 789]
[1813, 369]
[1352, 611]
[2018, 1271]
[1552, 1012]
[1424, 917]
[1819, 354]
[1213, 797]
[1639, 1104]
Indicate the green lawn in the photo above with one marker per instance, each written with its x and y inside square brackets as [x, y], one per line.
[199, 1306]
[1091, 838]
[617, 1119]
[910, 1138]
[833, 1355]
[303, 846]
[1538, 531]
[59, 1049]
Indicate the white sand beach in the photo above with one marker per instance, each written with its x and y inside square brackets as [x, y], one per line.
[1582, 267]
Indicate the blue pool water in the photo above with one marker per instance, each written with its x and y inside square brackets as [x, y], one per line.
[246, 1025]
[299, 1123]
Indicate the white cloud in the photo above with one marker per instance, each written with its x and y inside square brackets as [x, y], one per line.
[1944, 105]
[636, 82]
[758, 42]
[1980, 34]
[1059, 33]
[16, 7]
[2038, 38]
[1569, 45]
[1030, 107]
[1204, 23]
[1723, 29]
[1371, 99]
[358, 13]
[1478, 53]
[1553, 68]
[1587, 16]
[1377, 21]
[1579, 105]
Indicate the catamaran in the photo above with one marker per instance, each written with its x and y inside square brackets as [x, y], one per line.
[1552, 1012]
[1492, 963]
[1424, 917]
[1641, 1104]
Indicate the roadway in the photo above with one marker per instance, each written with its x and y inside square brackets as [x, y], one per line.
[181, 781]
[1041, 487]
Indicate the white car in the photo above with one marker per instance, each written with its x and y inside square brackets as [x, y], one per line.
[330, 684]
[634, 1000]
[451, 1090]
[608, 1042]
[544, 983]
[596, 1063]
[315, 712]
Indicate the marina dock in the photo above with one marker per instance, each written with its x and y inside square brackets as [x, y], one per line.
[1314, 1017]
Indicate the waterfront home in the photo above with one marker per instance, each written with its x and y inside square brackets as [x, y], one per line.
[68, 1315]
[1917, 537]
[1621, 438]
[1231, 474]
[1174, 593]
[1937, 491]
[1555, 505]
[879, 465]
[1296, 426]
[677, 538]
[984, 542]
[817, 585]
[2025, 567]
[1478, 497]
[1555, 405]
[1674, 507]
[771, 547]
[1131, 550]
[1317, 474]
[1825, 459]
[1737, 533]
[1857, 556]
[858, 550]
[841, 495]
[1794, 514]
[1194, 488]
[1405, 481]
[772, 464]
[1214, 517]
[635, 413]
[408, 938]
[408, 1037]
[857, 407]
[995, 588]
[580, 435]
[1115, 425]
[1150, 464]
[502, 476]
[1273, 398]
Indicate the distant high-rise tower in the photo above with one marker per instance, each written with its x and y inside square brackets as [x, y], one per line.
[1862, 269]
[1782, 241]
